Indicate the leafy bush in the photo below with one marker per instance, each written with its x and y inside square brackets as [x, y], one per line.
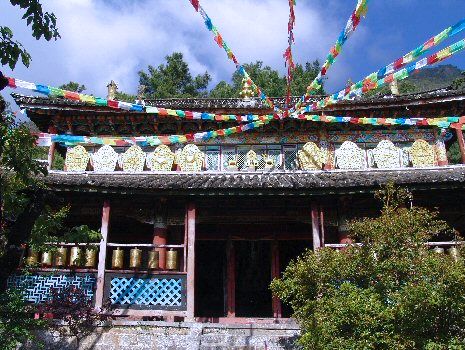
[390, 292]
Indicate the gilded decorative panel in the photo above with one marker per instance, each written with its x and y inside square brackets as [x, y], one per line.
[161, 159]
[422, 154]
[311, 157]
[77, 159]
[386, 155]
[350, 156]
[133, 160]
[190, 158]
[105, 159]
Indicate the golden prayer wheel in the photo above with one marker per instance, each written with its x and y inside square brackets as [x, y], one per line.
[91, 257]
[61, 256]
[135, 258]
[47, 258]
[438, 250]
[75, 256]
[32, 257]
[454, 253]
[154, 260]
[172, 260]
[117, 259]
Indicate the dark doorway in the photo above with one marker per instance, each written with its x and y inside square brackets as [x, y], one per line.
[253, 277]
[289, 250]
[210, 265]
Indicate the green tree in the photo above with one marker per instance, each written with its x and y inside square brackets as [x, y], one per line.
[390, 292]
[173, 79]
[73, 86]
[269, 80]
[459, 83]
[43, 24]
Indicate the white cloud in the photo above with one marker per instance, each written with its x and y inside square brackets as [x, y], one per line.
[104, 40]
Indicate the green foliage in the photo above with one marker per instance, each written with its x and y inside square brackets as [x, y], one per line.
[43, 24]
[174, 79]
[73, 86]
[459, 83]
[17, 325]
[453, 153]
[390, 292]
[121, 96]
[269, 80]
[41, 153]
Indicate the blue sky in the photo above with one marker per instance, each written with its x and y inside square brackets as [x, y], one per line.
[113, 39]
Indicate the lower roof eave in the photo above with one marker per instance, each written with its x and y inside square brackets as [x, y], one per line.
[256, 183]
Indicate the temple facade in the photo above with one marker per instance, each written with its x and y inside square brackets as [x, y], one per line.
[198, 230]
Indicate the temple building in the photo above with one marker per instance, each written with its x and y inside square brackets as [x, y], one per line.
[197, 230]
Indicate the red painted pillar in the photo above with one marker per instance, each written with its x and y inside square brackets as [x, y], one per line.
[190, 222]
[51, 149]
[461, 142]
[315, 227]
[160, 234]
[102, 255]
[230, 280]
[275, 268]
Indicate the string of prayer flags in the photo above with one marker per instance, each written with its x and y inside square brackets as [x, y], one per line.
[195, 3]
[222, 44]
[44, 139]
[102, 102]
[372, 82]
[288, 59]
[352, 24]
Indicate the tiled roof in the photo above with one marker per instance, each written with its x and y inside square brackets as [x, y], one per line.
[295, 182]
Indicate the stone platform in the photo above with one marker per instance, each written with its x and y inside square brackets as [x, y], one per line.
[134, 335]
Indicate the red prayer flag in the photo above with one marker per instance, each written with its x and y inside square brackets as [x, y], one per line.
[195, 3]
[111, 103]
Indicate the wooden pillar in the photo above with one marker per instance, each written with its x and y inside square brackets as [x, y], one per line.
[322, 226]
[51, 149]
[230, 279]
[275, 271]
[190, 222]
[102, 255]
[315, 227]
[459, 133]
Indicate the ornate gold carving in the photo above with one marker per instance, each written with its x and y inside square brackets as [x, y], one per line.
[311, 157]
[190, 158]
[350, 156]
[133, 160]
[251, 160]
[386, 155]
[161, 159]
[104, 159]
[76, 159]
[422, 154]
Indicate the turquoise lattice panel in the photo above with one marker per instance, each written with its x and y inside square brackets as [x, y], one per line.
[161, 292]
[37, 288]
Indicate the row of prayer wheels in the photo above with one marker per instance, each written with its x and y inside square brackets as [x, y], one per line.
[59, 258]
[135, 259]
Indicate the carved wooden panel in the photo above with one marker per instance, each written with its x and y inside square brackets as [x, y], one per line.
[161, 159]
[386, 155]
[76, 159]
[422, 154]
[310, 157]
[104, 159]
[350, 156]
[190, 158]
[133, 160]
[251, 159]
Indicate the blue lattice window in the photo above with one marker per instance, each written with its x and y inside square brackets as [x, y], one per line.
[37, 288]
[158, 292]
